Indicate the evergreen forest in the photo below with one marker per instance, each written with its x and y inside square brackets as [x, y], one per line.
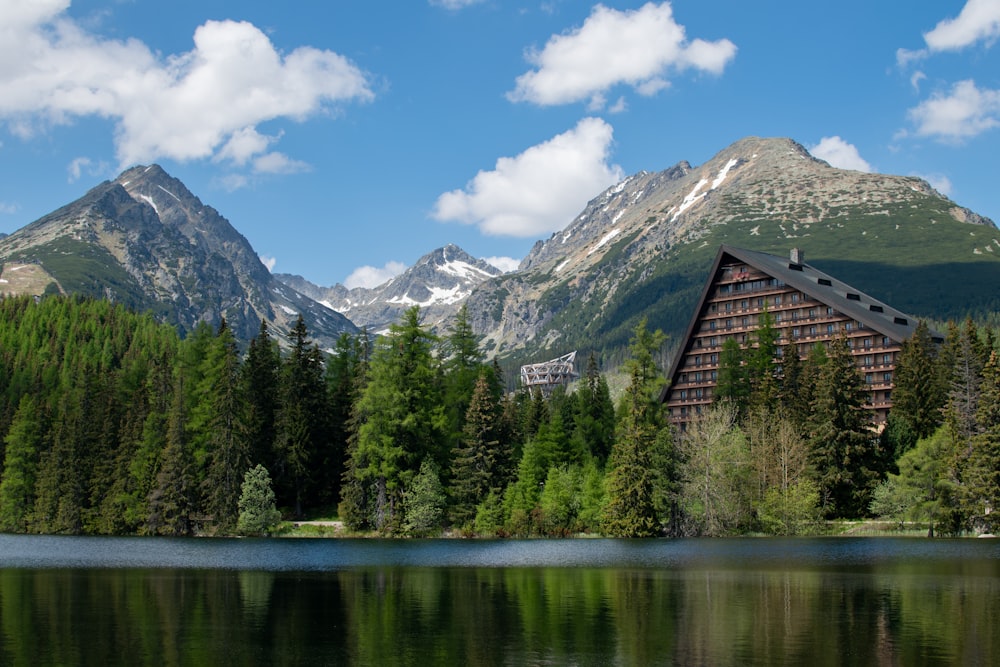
[112, 424]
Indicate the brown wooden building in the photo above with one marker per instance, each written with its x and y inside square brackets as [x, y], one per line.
[808, 307]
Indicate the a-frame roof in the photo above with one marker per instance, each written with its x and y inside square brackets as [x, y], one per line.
[868, 310]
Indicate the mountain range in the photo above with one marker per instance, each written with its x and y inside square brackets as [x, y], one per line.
[641, 249]
[438, 282]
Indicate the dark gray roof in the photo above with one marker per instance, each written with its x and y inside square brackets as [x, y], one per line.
[874, 314]
[825, 288]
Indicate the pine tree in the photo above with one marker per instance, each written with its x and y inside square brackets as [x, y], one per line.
[228, 458]
[301, 436]
[733, 384]
[641, 474]
[258, 514]
[475, 459]
[594, 425]
[259, 391]
[918, 396]
[424, 501]
[981, 481]
[631, 478]
[461, 367]
[17, 483]
[171, 502]
[843, 450]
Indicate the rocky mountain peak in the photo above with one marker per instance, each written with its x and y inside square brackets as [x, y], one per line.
[144, 239]
[439, 282]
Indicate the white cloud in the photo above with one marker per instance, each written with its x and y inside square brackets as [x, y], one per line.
[85, 166]
[540, 190]
[269, 262]
[978, 21]
[840, 154]
[372, 276]
[7, 208]
[454, 4]
[505, 264]
[204, 103]
[634, 47]
[278, 163]
[964, 112]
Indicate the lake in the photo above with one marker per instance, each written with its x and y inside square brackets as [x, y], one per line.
[813, 601]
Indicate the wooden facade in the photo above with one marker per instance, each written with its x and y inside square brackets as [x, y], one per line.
[807, 306]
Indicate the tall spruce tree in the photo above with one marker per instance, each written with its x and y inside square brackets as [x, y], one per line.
[17, 483]
[258, 380]
[301, 434]
[228, 456]
[843, 449]
[594, 425]
[632, 478]
[918, 395]
[641, 473]
[172, 499]
[475, 459]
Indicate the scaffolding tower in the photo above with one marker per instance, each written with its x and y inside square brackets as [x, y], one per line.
[550, 374]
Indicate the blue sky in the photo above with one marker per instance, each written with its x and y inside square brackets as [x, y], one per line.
[347, 138]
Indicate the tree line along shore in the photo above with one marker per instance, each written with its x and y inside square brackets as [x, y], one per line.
[114, 424]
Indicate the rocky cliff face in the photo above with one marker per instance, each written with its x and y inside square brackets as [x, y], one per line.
[643, 246]
[438, 282]
[145, 240]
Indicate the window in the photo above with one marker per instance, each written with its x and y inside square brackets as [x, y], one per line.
[697, 360]
[868, 343]
[812, 331]
[744, 305]
[887, 377]
[729, 324]
[829, 328]
[887, 359]
[825, 281]
[875, 309]
[745, 322]
[711, 327]
[795, 297]
[684, 394]
[796, 332]
[729, 306]
[885, 341]
[777, 300]
[869, 378]
[868, 360]
[853, 297]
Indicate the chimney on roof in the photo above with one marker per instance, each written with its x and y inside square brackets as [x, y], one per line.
[797, 257]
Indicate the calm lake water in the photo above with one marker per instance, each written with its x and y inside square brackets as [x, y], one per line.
[838, 601]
